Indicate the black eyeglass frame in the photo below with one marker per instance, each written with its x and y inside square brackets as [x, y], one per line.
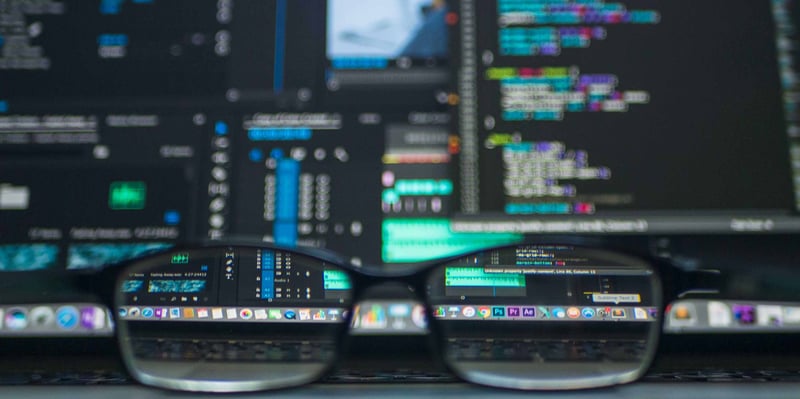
[670, 283]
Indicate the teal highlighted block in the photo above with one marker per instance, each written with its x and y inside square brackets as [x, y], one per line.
[424, 187]
[540, 208]
[414, 240]
[335, 280]
[419, 188]
[476, 277]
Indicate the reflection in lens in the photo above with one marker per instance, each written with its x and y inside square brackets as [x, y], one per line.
[235, 319]
[546, 317]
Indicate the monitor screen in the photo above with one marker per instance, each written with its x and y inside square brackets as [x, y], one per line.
[389, 131]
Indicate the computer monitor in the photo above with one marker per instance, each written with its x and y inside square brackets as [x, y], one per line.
[389, 131]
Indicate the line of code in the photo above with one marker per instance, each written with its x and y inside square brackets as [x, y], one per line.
[527, 27]
[548, 93]
[536, 175]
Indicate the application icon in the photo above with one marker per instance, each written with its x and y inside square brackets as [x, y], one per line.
[498, 311]
[202, 313]
[305, 314]
[318, 315]
[528, 312]
[374, 317]
[188, 313]
[454, 311]
[92, 318]
[559, 313]
[16, 319]
[175, 313]
[513, 312]
[640, 314]
[791, 314]
[122, 312]
[544, 313]
[418, 316]
[134, 312]
[290, 315]
[588, 313]
[618, 313]
[682, 314]
[148, 312]
[274, 314]
[260, 314]
[770, 315]
[439, 312]
[67, 317]
[216, 313]
[744, 314]
[573, 313]
[485, 312]
[100, 318]
[246, 314]
[159, 313]
[333, 314]
[42, 316]
[719, 314]
[230, 314]
[468, 311]
[399, 310]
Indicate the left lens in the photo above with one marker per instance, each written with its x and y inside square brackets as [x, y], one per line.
[546, 317]
[230, 319]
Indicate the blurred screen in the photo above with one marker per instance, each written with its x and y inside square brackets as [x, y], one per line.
[389, 131]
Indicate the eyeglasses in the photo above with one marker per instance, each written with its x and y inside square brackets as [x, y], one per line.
[246, 318]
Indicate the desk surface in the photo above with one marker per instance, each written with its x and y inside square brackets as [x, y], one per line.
[391, 391]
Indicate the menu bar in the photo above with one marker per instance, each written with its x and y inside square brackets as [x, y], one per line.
[545, 313]
[231, 314]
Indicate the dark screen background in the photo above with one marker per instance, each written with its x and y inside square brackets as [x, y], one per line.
[712, 139]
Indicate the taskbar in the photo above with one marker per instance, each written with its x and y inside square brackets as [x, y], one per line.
[697, 316]
[336, 315]
[545, 313]
[232, 314]
[55, 320]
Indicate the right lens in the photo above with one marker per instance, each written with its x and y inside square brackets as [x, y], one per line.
[231, 319]
[546, 317]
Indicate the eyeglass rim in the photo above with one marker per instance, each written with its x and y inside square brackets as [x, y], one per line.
[415, 274]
